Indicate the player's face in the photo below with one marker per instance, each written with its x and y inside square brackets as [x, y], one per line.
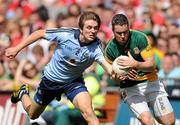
[121, 33]
[89, 31]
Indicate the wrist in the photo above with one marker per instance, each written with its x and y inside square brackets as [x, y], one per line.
[136, 64]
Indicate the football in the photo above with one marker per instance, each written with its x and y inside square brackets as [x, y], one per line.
[120, 70]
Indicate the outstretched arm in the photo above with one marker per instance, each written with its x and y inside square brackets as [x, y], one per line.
[107, 67]
[13, 51]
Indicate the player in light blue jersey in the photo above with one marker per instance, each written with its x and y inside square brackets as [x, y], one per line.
[76, 50]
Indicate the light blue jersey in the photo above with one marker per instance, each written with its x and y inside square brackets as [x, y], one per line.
[70, 59]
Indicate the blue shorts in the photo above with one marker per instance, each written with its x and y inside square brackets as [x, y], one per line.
[48, 90]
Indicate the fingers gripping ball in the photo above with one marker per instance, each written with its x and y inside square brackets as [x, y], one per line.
[120, 70]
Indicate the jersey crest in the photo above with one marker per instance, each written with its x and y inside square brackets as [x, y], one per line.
[136, 50]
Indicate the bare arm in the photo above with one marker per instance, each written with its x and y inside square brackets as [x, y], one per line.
[13, 51]
[107, 67]
[147, 65]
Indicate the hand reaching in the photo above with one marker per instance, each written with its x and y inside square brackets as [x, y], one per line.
[128, 62]
[117, 77]
[11, 52]
[132, 74]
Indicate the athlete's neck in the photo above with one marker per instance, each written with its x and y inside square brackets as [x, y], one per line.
[83, 41]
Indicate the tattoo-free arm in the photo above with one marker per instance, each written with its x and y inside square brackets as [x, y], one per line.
[13, 51]
[31, 39]
[107, 66]
[147, 65]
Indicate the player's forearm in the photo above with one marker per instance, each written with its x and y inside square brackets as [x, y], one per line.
[31, 39]
[145, 66]
[107, 67]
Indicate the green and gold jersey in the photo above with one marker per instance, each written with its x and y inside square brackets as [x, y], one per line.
[139, 48]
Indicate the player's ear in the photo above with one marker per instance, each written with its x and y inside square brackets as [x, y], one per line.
[81, 29]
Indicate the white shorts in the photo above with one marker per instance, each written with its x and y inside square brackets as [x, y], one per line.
[147, 94]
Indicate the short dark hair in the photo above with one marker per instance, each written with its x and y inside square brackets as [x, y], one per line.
[119, 19]
[88, 15]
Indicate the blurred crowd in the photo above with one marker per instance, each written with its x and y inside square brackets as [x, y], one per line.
[158, 19]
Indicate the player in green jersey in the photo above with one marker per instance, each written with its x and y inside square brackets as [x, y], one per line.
[144, 91]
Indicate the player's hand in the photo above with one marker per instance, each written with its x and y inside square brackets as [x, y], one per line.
[132, 74]
[121, 77]
[128, 62]
[11, 52]
[113, 75]
[117, 77]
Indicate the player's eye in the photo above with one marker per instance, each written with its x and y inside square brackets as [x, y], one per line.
[96, 28]
[122, 33]
[89, 27]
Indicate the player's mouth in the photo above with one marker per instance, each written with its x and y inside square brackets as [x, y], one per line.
[92, 36]
[122, 42]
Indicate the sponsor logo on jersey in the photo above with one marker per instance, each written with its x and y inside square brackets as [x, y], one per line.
[136, 50]
[73, 61]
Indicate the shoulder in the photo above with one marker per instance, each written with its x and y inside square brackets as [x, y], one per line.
[138, 34]
[111, 49]
[98, 44]
[138, 37]
[111, 43]
[98, 41]
[62, 29]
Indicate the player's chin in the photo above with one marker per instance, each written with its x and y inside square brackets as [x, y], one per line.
[91, 38]
[122, 43]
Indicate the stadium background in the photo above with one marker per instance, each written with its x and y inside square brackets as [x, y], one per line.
[159, 19]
